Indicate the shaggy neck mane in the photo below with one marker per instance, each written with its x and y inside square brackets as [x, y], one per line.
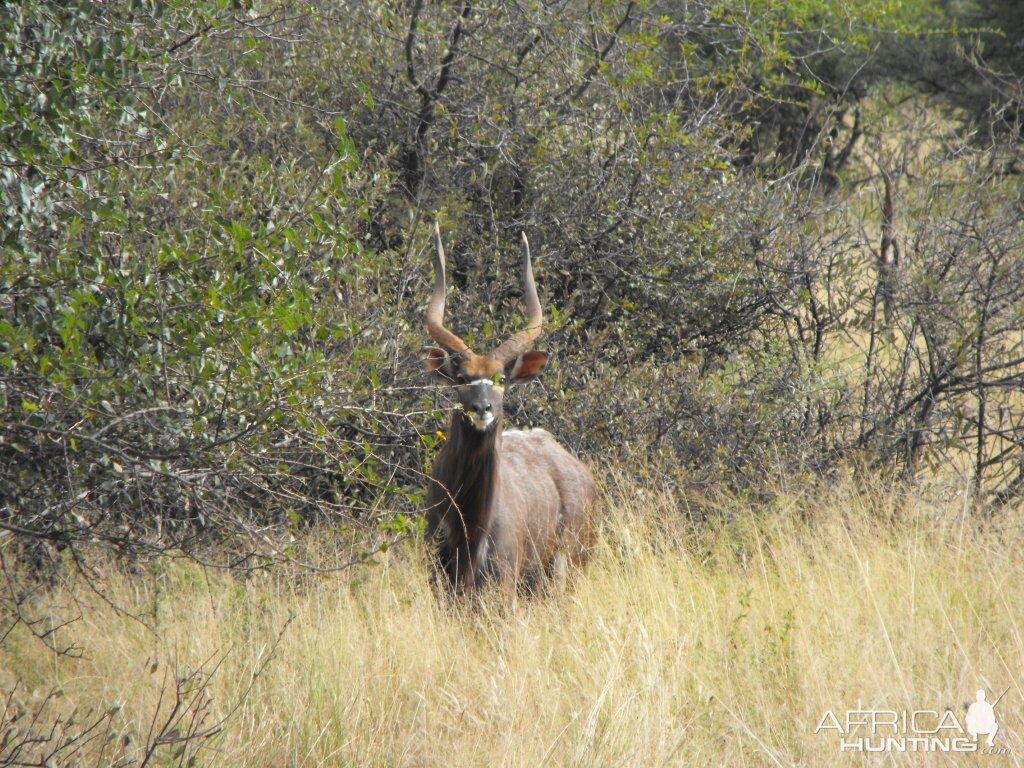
[465, 482]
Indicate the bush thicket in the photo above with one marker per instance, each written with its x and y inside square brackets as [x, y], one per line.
[767, 234]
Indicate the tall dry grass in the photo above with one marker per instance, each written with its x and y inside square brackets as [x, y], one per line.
[718, 643]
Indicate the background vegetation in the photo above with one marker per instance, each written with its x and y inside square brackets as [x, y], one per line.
[772, 239]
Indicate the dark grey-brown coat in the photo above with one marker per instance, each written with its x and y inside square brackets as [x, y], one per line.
[508, 506]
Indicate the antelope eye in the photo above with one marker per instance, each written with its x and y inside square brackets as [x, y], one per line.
[460, 378]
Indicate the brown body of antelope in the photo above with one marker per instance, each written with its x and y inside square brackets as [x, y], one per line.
[503, 506]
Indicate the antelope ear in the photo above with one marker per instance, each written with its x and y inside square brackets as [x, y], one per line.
[525, 366]
[437, 361]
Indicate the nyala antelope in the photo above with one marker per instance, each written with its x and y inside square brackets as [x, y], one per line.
[505, 506]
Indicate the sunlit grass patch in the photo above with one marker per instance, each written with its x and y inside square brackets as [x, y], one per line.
[718, 642]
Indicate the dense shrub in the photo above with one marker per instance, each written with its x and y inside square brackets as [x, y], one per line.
[751, 250]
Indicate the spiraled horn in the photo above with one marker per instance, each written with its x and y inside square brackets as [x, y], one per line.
[522, 341]
[435, 307]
